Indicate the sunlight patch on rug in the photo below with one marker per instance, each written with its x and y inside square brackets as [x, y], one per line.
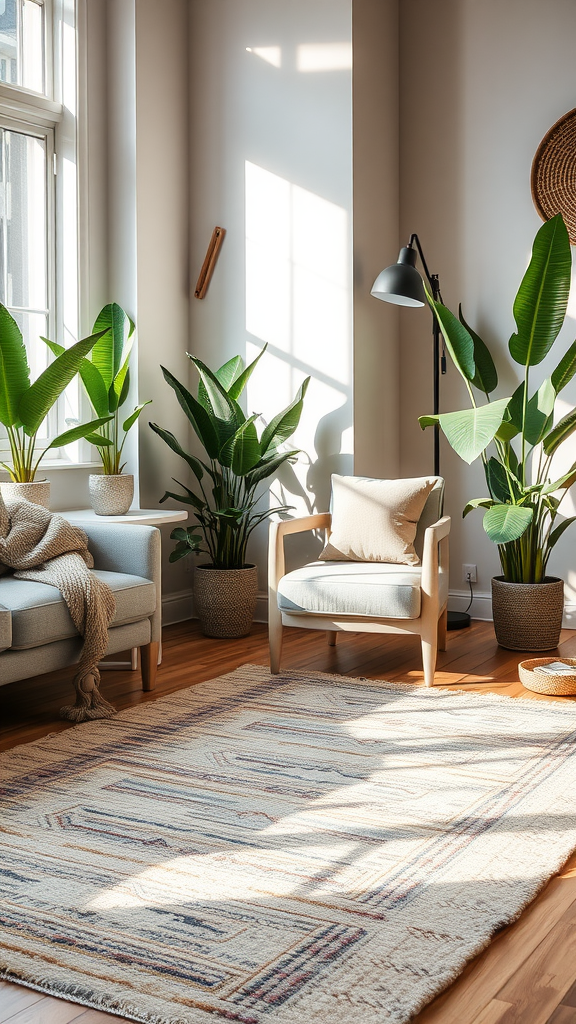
[283, 849]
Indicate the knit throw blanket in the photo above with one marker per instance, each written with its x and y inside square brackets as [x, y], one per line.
[38, 545]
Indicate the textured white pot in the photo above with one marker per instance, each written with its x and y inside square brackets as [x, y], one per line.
[111, 495]
[37, 491]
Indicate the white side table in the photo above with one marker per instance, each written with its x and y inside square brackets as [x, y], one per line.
[143, 516]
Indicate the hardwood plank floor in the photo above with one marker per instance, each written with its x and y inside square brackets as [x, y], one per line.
[527, 975]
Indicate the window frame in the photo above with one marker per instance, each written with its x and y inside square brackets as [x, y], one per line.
[42, 115]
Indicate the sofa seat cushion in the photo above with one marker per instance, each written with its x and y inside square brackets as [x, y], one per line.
[378, 589]
[40, 615]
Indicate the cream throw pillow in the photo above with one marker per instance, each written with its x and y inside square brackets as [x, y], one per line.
[375, 520]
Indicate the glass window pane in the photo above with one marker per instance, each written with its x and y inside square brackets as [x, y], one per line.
[32, 46]
[9, 41]
[24, 186]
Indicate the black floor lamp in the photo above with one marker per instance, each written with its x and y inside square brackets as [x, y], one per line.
[402, 285]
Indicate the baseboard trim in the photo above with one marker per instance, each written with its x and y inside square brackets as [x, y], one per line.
[179, 606]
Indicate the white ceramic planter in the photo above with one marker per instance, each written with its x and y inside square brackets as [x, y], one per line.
[111, 495]
[37, 491]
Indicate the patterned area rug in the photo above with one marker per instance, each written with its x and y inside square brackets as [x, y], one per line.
[291, 849]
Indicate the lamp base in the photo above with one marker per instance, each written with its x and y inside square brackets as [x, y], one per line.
[458, 620]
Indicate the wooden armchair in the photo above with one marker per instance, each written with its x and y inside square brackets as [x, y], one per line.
[372, 597]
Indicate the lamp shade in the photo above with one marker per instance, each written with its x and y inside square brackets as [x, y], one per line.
[401, 283]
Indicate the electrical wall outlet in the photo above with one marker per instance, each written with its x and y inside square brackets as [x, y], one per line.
[469, 573]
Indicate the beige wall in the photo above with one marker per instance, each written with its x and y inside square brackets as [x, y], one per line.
[376, 210]
[480, 85]
[271, 162]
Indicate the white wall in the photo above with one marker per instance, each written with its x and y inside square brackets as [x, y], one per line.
[271, 162]
[480, 85]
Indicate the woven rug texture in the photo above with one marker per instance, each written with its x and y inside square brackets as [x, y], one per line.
[289, 849]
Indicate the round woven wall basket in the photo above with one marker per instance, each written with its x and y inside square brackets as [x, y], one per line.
[553, 178]
[544, 682]
[528, 616]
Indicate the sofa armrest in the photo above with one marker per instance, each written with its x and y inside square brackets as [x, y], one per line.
[5, 627]
[130, 548]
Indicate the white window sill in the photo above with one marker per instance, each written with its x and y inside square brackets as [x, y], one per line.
[56, 465]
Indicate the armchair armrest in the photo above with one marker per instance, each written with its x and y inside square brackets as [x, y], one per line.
[280, 528]
[5, 628]
[435, 556]
[129, 548]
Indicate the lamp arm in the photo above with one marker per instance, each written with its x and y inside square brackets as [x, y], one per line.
[431, 278]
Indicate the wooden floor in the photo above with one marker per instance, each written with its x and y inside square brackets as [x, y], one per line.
[528, 973]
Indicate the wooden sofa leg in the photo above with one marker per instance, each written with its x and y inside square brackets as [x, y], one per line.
[149, 664]
[332, 637]
[275, 629]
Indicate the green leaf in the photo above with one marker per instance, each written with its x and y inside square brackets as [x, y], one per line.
[95, 388]
[54, 347]
[201, 420]
[565, 370]
[505, 523]
[175, 445]
[512, 422]
[14, 372]
[470, 431]
[242, 451]
[486, 376]
[557, 532]
[539, 412]
[241, 381]
[477, 503]
[75, 433]
[41, 396]
[134, 416]
[497, 480]
[458, 341]
[99, 440]
[560, 433]
[564, 482]
[117, 328]
[540, 305]
[230, 372]
[282, 426]
[186, 499]
[268, 467]
[220, 403]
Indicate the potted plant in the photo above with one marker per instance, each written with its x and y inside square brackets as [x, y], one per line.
[105, 375]
[516, 438]
[225, 499]
[24, 406]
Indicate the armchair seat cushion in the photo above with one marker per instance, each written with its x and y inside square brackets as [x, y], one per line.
[40, 615]
[379, 589]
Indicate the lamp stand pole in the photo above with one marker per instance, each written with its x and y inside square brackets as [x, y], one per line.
[436, 335]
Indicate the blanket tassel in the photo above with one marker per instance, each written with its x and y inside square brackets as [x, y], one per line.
[89, 701]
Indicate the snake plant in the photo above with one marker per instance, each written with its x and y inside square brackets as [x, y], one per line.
[516, 437]
[105, 374]
[225, 498]
[24, 406]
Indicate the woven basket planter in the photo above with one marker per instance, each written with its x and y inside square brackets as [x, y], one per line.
[111, 495]
[528, 616]
[36, 491]
[225, 600]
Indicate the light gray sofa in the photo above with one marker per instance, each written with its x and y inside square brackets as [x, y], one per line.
[36, 632]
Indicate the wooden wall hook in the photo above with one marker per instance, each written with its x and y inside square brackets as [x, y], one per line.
[209, 262]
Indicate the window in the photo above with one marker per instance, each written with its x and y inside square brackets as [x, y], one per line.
[38, 182]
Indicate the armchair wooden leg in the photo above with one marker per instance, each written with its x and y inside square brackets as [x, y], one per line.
[429, 651]
[442, 624]
[149, 664]
[275, 641]
[331, 634]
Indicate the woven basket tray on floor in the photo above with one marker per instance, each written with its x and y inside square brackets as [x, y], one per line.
[543, 682]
